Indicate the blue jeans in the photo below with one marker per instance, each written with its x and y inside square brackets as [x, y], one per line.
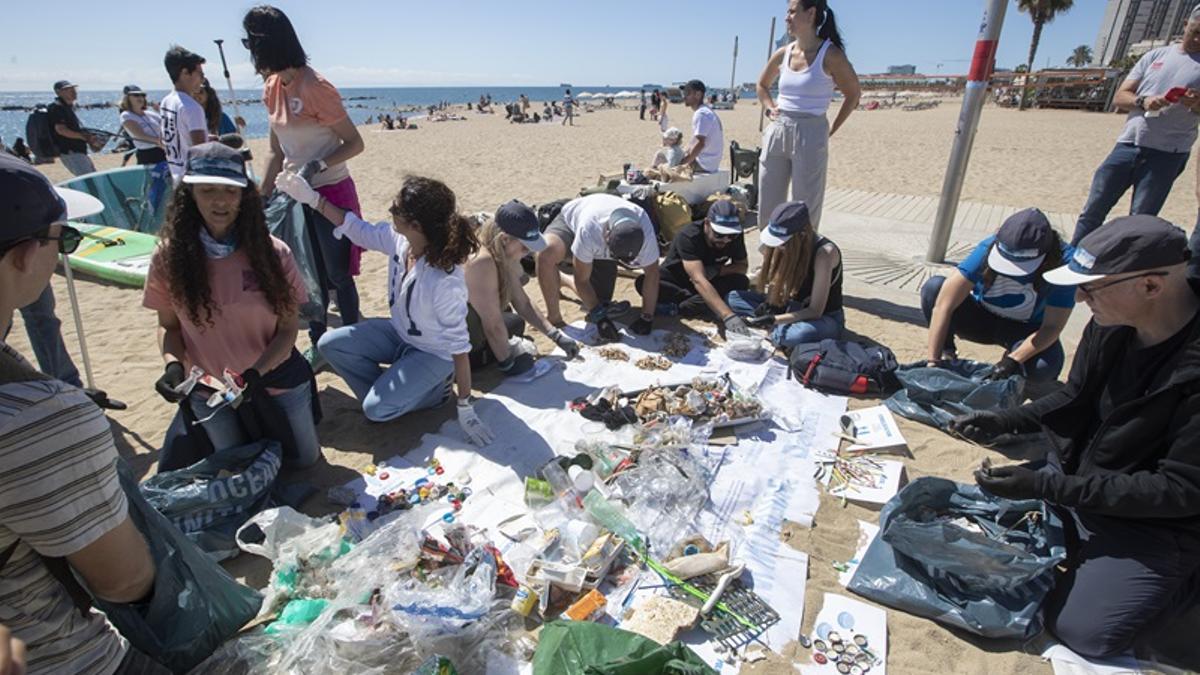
[412, 380]
[971, 321]
[225, 430]
[1150, 173]
[45, 336]
[827, 327]
[335, 261]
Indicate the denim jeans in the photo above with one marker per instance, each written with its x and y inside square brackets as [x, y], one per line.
[1150, 173]
[45, 336]
[225, 430]
[78, 163]
[412, 379]
[335, 261]
[971, 321]
[826, 327]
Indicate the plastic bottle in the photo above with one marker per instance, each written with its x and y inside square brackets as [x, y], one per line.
[612, 516]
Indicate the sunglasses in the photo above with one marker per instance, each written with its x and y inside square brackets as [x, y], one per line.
[1090, 290]
[68, 240]
[724, 237]
[247, 42]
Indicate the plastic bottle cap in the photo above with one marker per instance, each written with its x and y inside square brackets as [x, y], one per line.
[581, 479]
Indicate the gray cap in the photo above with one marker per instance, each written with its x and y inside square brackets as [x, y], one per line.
[625, 237]
[1123, 245]
[216, 164]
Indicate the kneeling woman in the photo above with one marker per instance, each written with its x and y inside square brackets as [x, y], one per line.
[425, 344]
[998, 297]
[493, 283]
[227, 295]
[803, 299]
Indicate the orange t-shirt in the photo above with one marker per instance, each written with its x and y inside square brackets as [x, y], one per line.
[302, 115]
[243, 322]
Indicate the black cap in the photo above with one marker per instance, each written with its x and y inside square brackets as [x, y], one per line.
[696, 85]
[133, 90]
[519, 221]
[29, 203]
[1022, 243]
[625, 235]
[787, 220]
[724, 217]
[63, 84]
[217, 164]
[1123, 245]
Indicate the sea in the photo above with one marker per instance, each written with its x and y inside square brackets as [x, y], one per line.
[361, 103]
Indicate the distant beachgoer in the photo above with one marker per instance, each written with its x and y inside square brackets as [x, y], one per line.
[143, 125]
[997, 296]
[493, 278]
[524, 105]
[664, 122]
[312, 134]
[217, 121]
[70, 139]
[568, 108]
[803, 298]
[708, 138]
[642, 108]
[425, 345]
[1159, 132]
[655, 103]
[183, 121]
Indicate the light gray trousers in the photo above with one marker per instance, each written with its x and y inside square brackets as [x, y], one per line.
[795, 152]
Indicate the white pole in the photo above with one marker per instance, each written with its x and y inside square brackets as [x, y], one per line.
[87, 362]
[968, 124]
[733, 74]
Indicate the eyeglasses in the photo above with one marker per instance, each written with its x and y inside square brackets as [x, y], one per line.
[68, 240]
[1090, 291]
[251, 39]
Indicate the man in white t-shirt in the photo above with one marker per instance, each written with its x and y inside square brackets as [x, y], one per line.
[708, 138]
[183, 122]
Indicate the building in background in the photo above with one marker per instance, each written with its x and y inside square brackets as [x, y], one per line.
[902, 70]
[1144, 23]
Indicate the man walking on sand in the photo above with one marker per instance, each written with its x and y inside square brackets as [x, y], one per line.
[1162, 96]
[568, 108]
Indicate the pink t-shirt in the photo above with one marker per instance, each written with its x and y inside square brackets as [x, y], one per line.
[243, 321]
[302, 114]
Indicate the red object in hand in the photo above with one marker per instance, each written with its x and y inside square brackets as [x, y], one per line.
[1175, 94]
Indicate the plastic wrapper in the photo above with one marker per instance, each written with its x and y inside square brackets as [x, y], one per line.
[953, 553]
[392, 549]
[934, 396]
[444, 603]
[664, 494]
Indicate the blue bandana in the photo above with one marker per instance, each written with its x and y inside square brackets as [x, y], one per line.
[217, 250]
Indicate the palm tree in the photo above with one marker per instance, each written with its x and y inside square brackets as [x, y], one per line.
[1041, 12]
[1080, 57]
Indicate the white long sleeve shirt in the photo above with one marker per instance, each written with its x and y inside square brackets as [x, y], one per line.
[428, 306]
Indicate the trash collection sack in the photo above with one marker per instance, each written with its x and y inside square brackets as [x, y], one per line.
[934, 396]
[925, 564]
[209, 500]
[586, 648]
[196, 605]
[287, 222]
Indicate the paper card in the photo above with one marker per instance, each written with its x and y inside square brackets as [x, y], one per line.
[866, 534]
[892, 473]
[849, 618]
[876, 431]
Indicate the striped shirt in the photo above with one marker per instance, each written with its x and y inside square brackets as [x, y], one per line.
[58, 493]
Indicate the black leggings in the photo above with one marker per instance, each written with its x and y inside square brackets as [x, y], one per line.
[481, 352]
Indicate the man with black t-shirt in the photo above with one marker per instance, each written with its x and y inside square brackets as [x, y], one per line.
[706, 261]
[69, 137]
[1124, 461]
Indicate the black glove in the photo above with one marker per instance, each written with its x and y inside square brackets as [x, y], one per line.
[564, 343]
[764, 321]
[598, 313]
[516, 365]
[982, 426]
[766, 308]
[1012, 482]
[252, 379]
[736, 325]
[172, 377]
[608, 331]
[1004, 368]
[642, 326]
[101, 399]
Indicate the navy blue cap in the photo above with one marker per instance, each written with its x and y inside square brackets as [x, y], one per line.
[519, 221]
[1022, 244]
[64, 84]
[29, 203]
[215, 163]
[724, 217]
[1123, 245]
[787, 220]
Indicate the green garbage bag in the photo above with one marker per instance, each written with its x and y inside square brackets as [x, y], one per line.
[585, 648]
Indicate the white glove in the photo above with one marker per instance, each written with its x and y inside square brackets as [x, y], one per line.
[473, 426]
[297, 188]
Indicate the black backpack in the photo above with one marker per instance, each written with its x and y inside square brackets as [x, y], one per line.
[546, 213]
[844, 367]
[39, 135]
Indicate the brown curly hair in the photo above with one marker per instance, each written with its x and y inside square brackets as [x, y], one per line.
[432, 205]
[186, 262]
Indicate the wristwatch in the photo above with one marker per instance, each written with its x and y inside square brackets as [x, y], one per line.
[1140, 101]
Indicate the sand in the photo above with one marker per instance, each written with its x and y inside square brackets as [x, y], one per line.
[1036, 158]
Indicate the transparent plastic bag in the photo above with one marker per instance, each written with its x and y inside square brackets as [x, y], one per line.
[447, 600]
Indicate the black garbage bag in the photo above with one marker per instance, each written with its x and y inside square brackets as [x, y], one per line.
[955, 554]
[934, 396]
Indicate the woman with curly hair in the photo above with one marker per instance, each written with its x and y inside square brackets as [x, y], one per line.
[227, 295]
[406, 363]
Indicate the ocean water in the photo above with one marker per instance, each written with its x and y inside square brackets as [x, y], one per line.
[361, 103]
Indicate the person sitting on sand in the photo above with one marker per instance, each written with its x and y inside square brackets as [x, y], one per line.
[494, 281]
[667, 165]
[227, 295]
[997, 296]
[705, 263]
[600, 231]
[708, 138]
[1122, 467]
[803, 299]
[425, 344]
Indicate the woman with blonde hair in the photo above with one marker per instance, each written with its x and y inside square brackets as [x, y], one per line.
[494, 282]
[143, 125]
[803, 299]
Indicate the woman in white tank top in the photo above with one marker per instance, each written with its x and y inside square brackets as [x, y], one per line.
[795, 147]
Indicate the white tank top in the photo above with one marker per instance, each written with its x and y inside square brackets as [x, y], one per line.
[808, 91]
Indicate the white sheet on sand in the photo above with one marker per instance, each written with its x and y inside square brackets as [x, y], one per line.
[851, 617]
[767, 476]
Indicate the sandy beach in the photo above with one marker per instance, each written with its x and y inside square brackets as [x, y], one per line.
[1035, 158]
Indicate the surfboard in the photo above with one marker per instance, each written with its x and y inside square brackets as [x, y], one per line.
[113, 254]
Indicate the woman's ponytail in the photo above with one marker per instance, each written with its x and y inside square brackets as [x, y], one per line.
[827, 24]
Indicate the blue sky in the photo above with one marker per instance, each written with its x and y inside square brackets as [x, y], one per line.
[488, 42]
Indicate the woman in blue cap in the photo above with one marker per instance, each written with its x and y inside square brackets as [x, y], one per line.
[997, 296]
[803, 298]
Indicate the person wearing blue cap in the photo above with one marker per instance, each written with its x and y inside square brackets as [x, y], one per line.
[1122, 467]
[494, 282]
[706, 261]
[997, 296]
[803, 298]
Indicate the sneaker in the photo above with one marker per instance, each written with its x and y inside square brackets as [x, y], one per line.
[666, 309]
[315, 360]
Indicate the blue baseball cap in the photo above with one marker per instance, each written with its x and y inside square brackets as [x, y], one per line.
[519, 221]
[1021, 244]
[215, 163]
[725, 218]
[29, 203]
[787, 220]
[1123, 245]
